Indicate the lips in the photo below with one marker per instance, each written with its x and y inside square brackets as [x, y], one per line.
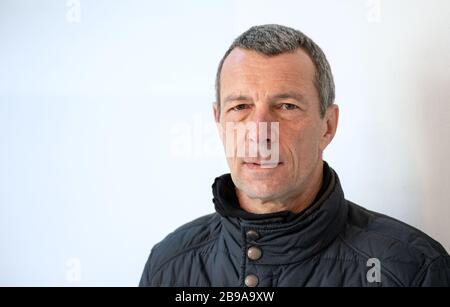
[260, 164]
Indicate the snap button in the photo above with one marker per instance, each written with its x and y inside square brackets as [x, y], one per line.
[252, 235]
[251, 281]
[254, 253]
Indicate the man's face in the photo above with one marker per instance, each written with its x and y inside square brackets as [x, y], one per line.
[258, 88]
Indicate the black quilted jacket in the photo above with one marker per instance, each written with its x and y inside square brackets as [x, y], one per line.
[333, 243]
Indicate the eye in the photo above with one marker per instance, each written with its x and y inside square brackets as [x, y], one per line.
[239, 107]
[288, 106]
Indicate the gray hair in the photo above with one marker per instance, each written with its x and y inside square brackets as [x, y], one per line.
[275, 39]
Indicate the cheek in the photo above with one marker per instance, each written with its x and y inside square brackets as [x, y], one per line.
[302, 142]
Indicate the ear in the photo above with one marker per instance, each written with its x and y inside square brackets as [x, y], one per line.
[330, 122]
[216, 112]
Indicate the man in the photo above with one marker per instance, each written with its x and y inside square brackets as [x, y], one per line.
[285, 221]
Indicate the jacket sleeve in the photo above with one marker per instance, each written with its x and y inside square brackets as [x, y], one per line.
[436, 274]
[146, 275]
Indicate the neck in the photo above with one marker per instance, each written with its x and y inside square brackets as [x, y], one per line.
[298, 201]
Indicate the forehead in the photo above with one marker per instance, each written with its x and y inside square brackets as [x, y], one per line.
[248, 70]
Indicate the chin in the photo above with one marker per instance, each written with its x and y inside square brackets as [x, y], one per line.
[261, 191]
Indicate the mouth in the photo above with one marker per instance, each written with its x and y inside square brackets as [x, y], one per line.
[261, 165]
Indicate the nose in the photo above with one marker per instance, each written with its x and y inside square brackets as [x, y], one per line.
[261, 120]
[261, 113]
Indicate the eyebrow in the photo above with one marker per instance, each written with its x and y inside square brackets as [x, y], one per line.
[288, 95]
[236, 98]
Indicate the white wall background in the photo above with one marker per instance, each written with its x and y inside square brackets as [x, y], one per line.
[107, 142]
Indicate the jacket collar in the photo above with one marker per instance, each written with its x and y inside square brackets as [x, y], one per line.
[283, 237]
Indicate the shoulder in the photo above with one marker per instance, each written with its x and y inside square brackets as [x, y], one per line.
[405, 253]
[386, 231]
[185, 239]
[190, 235]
